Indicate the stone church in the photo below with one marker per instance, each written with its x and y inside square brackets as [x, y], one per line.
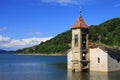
[82, 57]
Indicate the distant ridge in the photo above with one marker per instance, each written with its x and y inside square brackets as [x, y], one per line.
[107, 34]
[4, 51]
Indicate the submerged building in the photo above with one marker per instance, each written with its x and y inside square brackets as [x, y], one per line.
[83, 57]
[104, 59]
[78, 56]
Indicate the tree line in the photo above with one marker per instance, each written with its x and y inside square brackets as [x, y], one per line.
[107, 33]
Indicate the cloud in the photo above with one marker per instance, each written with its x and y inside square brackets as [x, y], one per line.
[117, 5]
[3, 28]
[37, 33]
[34, 33]
[60, 1]
[14, 44]
[67, 2]
[4, 40]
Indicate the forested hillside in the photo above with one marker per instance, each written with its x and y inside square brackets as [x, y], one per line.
[57, 45]
[107, 33]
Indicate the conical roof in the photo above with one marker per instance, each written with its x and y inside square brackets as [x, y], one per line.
[79, 24]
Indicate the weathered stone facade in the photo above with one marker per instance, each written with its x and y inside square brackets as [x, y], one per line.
[98, 60]
[78, 57]
[104, 60]
[81, 57]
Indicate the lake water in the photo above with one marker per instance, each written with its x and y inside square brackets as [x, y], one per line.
[18, 67]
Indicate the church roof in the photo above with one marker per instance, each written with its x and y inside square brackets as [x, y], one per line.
[79, 24]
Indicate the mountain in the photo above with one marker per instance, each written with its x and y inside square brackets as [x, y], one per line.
[57, 45]
[4, 51]
[106, 33]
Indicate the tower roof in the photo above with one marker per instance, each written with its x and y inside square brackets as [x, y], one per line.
[79, 24]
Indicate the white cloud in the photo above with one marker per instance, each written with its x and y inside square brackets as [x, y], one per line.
[3, 28]
[37, 33]
[4, 38]
[13, 44]
[66, 2]
[34, 33]
[60, 1]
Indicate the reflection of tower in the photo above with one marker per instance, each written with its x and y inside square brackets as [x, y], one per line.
[100, 76]
[78, 58]
[78, 75]
[75, 76]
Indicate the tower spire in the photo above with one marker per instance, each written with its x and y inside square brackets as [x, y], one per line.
[80, 11]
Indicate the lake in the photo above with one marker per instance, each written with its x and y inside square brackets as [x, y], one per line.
[24, 67]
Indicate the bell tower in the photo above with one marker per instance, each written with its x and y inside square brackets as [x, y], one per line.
[78, 58]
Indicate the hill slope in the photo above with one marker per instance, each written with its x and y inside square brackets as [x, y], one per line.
[58, 44]
[107, 33]
[3, 51]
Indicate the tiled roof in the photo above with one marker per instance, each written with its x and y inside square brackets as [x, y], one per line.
[79, 24]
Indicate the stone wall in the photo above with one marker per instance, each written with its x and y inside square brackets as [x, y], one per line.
[69, 59]
[98, 60]
[76, 53]
[114, 64]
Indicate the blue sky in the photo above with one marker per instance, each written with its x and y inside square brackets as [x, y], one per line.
[25, 23]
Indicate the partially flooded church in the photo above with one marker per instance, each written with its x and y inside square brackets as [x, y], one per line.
[83, 57]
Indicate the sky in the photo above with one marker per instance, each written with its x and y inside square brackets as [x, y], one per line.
[24, 23]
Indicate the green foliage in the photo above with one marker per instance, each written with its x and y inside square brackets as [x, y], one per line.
[58, 44]
[107, 33]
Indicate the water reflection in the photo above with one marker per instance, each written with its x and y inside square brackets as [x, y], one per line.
[93, 76]
[99, 76]
[105, 76]
[78, 75]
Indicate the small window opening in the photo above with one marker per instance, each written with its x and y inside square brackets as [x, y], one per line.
[76, 40]
[98, 60]
[83, 56]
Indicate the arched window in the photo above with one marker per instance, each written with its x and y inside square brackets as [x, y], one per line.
[76, 40]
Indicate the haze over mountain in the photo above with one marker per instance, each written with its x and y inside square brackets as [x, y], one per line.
[4, 51]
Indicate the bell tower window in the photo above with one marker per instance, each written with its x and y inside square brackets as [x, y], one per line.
[76, 40]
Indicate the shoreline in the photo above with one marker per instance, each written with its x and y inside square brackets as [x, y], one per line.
[37, 54]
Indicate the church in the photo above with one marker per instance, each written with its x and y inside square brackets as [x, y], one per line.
[83, 57]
